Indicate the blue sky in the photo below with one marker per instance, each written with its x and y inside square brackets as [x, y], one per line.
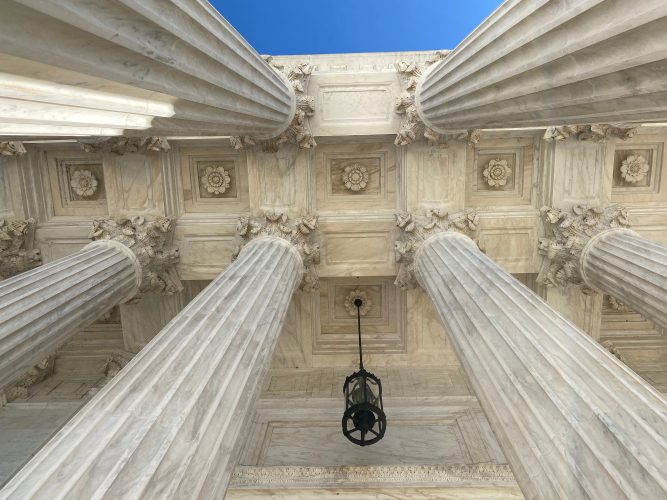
[329, 26]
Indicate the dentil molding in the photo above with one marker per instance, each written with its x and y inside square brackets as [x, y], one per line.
[299, 232]
[568, 233]
[416, 230]
[298, 131]
[151, 242]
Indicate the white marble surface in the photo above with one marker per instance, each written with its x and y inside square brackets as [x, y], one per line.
[572, 420]
[548, 63]
[42, 308]
[169, 425]
[103, 67]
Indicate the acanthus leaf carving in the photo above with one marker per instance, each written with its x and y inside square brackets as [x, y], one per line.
[412, 127]
[415, 230]
[151, 242]
[599, 132]
[300, 232]
[21, 388]
[121, 144]
[16, 247]
[12, 148]
[298, 131]
[569, 232]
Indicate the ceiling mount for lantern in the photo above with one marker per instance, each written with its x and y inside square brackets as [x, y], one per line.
[364, 421]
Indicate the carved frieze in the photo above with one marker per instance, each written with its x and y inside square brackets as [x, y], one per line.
[412, 127]
[568, 232]
[121, 145]
[16, 247]
[299, 232]
[151, 242]
[415, 230]
[298, 131]
[597, 132]
[11, 148]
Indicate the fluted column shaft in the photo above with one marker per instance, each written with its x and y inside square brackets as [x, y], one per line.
[168, 425]
[41, 308]
[148, 67]
[573, 421]
[537, 63]
[633, 269]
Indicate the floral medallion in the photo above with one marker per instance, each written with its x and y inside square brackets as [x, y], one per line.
[355, 177]
[634, 168]
[352, 296]
[84, 183]
[497, 173]
[216, 179]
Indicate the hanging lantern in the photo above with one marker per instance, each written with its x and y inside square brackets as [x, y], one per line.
[364, 421]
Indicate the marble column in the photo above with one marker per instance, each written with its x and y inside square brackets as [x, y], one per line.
[169, 425]
[572, 420]
[592, 247]
[145, 67]
[552, 62]
[41, 308]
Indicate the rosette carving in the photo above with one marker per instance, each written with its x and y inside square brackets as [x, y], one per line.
[354, 295]
[496, 173]
[298, 131]
[84, 183]
[16, 251]
[151, 242]
[634, 168]
[568, 233]
[415, 230]
[355, 177]
[299, 232]
[215, 180]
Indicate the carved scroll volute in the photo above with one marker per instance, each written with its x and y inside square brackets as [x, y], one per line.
[300, 232]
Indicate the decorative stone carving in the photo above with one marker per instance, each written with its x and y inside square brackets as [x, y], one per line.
[613, 349]
[569, 233]
[414, 231]
[597, 132]
[298, 131]
[21, 388]
[299, 232]
[150, 242]
[84, 183]
[368, 475]
[121, 145]
[215, 180]
[634, 168]
[11, 148]
[497, 173]
[412, 127]
[355, 177]
[354, 295]
[618, 306]
[16, 252]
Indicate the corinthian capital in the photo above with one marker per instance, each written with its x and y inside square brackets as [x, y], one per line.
[568, 232]
[151, 243]
[11, 148]
[299, 232]
[16, 251]
[598, 132]
[416, 230]
[298, 131]
[121, 145]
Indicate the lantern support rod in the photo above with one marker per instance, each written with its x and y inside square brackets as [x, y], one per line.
[358, 303]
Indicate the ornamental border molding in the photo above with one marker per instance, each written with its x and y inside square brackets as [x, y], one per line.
[120, 145]
[416, 230]
[412, 127]
[12, 148]
[599, 132]
[150, 241]
[568, 234]
[370, 475]
[298, 131]
[300, 232]
[16, 247]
